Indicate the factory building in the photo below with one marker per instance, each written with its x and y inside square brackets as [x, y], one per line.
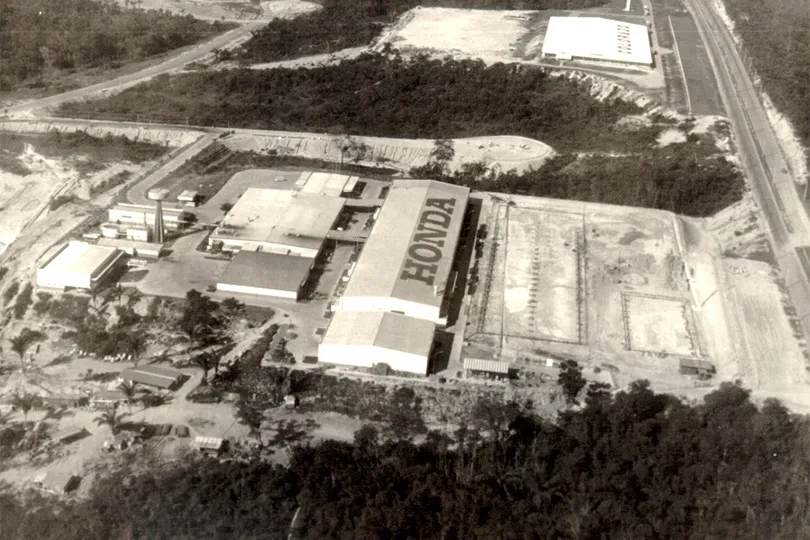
[403, 280]
[265, 274]
[406, 265]
[278, 221]
[598, 40]
[79, 265]
[144, 216]
[368, 338]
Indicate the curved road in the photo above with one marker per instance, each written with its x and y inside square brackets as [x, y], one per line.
[172, 64]
[762, 157]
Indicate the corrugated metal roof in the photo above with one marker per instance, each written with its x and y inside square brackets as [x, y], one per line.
[393, 241]
[598, 39]
[695, 363]
[209, 443]
[490, 366]
[380, 329]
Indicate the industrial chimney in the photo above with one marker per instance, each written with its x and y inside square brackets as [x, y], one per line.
[158, 195]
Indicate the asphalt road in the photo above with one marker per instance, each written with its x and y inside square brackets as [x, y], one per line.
[172, 64]
[762, 157]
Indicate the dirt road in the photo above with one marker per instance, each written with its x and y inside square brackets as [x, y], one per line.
[34, 108]
[762, 157]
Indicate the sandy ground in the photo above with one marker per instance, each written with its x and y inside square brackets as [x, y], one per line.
[25, 199]
[503, 152]
[232, 10]
[657, 289]
[493, 36]
[670, 136]
[489, 35]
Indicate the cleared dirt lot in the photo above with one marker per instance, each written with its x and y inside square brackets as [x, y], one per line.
[536, 265]
[506, 152]
[611, 289]
[237, 10]
[508, 36]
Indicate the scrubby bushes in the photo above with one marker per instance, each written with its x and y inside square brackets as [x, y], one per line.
[42, 38]
[23, 301]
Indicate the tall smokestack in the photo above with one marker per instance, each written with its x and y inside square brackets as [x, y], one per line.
[158, 195]
[159, 221]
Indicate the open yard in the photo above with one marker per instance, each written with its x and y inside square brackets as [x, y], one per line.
[239, 10]
[607, 286]
[534, 287]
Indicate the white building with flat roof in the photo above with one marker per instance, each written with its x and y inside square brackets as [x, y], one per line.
[406, 265]
[79, 265]
[368, 338]
[278, 221]
[265, 274]
[599, 40]
[331, 184]
[144, 216]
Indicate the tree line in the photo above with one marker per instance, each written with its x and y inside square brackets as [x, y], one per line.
[634, 464]
[39, 38]
[340, 24]
[686, 178]
[386, 96]
[777, 36]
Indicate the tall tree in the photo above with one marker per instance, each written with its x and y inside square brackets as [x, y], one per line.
[571, 381]
[129, 389]
[23, 341]
[111, 419]
[25, 402]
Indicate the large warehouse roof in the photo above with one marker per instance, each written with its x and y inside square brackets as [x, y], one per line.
[595, 38]
[266, 271]
[380, 329]
[410, 251]
[80, 258]
[281, 217]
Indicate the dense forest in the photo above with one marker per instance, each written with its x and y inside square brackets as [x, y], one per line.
[351, 23]
[684, 178]
[634, 465]
[377, 95]
[777, 35]
[41, 37]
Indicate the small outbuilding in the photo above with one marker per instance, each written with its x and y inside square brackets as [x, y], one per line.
[691, 366]
[57, 482]
[480, 366]
[69, 435]
[189, 197]
[158, 376]
[214, 446]
[105, 399]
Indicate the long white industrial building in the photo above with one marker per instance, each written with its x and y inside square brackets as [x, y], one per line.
[407, 262]
[79, 265]
[144, 215]
[597, 39]
[368, 338]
